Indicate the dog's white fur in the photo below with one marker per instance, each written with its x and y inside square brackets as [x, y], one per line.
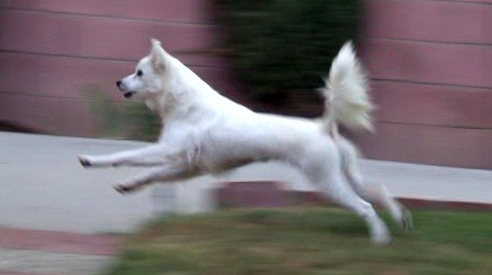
[206, 133]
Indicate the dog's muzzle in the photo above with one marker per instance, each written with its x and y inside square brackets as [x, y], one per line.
[126, 94]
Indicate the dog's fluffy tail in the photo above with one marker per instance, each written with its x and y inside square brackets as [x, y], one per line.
[345, 91]
[347, 103]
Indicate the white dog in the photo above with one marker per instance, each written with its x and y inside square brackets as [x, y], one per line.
[206, 133]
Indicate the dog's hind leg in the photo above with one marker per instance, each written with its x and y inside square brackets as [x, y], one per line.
[379, 194]
[339, 192]
[166, 173]
[334, 186]
[375, 193]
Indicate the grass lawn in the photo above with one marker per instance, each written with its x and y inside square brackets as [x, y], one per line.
[307, 241]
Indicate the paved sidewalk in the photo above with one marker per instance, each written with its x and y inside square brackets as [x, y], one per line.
[44, 187]
[54, 215]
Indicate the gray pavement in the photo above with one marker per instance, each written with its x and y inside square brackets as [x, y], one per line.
[44, 187]
[432, 182]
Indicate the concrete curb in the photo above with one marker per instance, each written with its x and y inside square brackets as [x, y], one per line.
[7, 272]
[39, 252]
[414, 203]
[58, 241]
[266, 194]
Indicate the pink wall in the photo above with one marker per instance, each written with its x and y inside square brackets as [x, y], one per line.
[430, 61]
[50, 50]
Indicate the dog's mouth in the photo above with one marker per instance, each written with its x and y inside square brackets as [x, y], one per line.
[128, 94]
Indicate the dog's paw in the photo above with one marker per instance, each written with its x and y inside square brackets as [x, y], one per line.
[381, 235]
[84, 161]
[116, 164]
[381, 239]
[123, 189]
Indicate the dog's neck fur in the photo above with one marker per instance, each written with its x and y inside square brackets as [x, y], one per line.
[183, 94]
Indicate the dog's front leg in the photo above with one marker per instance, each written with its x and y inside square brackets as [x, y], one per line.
[147, 156]
[166, 173]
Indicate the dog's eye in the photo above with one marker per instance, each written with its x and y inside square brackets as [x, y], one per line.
[139, 73]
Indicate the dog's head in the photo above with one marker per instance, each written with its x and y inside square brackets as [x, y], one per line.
[147, 80]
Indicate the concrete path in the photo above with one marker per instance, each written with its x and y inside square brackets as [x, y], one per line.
[54, 215]
[46, 197]
[44, 187]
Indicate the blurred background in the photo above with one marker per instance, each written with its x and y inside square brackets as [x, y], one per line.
[428, 61]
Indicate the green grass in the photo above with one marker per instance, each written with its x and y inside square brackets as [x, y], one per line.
[307, 241]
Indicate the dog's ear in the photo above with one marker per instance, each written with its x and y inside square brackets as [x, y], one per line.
[157, 55]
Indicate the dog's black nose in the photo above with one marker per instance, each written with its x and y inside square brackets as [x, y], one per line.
[118, 83]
